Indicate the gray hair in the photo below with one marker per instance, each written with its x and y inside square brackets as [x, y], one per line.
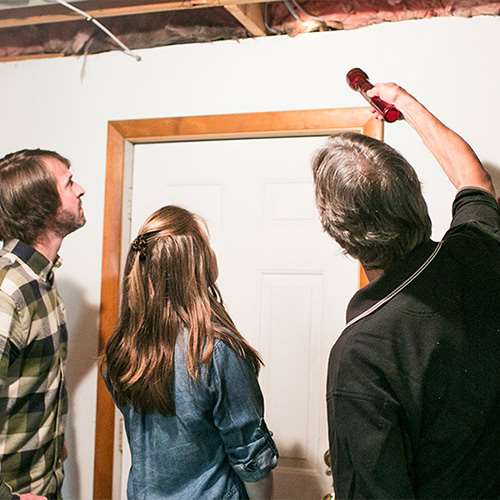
[369, 199]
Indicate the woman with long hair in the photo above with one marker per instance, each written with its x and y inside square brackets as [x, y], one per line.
[182, 375]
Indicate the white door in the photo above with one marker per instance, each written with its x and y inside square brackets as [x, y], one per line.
[284, 282]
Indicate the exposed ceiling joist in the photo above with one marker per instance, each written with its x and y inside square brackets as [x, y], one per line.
[250, 16]
[51, 30]
[10, 18]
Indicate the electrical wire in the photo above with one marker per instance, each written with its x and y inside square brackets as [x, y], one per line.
[311, 20]
[301, 9]
[290, 8]
[266, 21]
[88, 17]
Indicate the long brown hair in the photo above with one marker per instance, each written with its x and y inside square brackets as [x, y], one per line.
[169, 284]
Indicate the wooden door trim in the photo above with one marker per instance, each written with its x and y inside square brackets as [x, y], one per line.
[122, 136]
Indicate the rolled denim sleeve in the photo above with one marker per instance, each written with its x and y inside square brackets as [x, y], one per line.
[239, 416]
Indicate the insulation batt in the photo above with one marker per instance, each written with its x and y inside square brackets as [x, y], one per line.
[210, 24]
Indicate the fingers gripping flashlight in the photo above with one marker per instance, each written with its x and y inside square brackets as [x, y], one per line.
[357, 79]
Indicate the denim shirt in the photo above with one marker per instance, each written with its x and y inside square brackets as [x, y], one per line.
[217, 439]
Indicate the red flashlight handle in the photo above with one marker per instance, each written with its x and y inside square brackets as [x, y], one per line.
[357, 79]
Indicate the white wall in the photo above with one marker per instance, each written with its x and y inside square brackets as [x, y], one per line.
[450, 64]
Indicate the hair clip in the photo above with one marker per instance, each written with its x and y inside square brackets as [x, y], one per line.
[140, 245]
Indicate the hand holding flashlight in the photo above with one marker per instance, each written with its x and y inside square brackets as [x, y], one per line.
[357, 79]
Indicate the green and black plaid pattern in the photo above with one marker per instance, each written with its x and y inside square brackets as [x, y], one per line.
[33, 399]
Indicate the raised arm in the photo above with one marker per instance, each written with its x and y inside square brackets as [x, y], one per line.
[455, 156]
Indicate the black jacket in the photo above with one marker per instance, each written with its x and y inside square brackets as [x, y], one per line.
[414, 388]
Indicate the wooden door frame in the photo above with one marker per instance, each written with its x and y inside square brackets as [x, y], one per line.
[122, 136]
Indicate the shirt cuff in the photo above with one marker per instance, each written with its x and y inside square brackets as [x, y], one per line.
[258, 468]
[262, 456]
[475, 188]
[6, 492]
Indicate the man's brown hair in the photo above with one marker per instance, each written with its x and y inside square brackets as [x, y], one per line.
[28, 194]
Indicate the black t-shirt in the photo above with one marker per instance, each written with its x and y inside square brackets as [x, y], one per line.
[414, 388]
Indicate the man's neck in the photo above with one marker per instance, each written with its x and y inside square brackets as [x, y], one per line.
[373, 274]
[48, 245]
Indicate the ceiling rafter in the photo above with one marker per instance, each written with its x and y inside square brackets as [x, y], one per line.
[248, 10]
[250, 16]
[54, 30]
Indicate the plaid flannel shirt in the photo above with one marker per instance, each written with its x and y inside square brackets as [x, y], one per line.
[33, 398]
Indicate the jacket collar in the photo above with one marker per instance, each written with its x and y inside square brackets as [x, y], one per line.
[37, 262]
[390, 279]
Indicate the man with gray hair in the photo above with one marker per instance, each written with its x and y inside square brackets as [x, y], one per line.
[413, 387]
[40, 204]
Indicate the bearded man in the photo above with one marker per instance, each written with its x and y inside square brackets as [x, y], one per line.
[40, 204]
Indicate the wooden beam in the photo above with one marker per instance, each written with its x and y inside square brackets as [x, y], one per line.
[25, 57]
[110, 290]
[245, 125]
[250, 16]
[25, 16]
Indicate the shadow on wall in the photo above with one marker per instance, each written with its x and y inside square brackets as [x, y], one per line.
[289, 483]
[494, 171]
[82, 320]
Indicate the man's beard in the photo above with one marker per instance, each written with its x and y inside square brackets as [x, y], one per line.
[66, 222]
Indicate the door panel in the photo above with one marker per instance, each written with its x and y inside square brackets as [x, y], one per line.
[284, 282]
